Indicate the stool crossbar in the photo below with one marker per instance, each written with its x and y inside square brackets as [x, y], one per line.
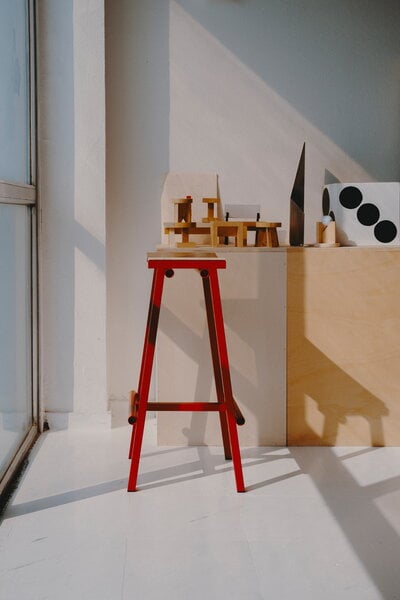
[164, 265]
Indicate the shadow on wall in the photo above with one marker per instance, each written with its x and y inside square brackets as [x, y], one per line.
[246, 84]
[331, 399]
[72, 248]
[137, 104]
[57, 249]
[274, 83]
[255, 322]
[337, 65]
[343, 347]
[262, 405]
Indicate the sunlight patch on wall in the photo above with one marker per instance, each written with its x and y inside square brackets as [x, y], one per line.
[224, 118]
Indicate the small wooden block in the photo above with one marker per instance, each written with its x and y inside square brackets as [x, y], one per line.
[268, 224]
[266, 234]
[211, 200]
[184, 209]
[210, 209]
[227, 229]
[326, 234]
[168, 254]
[187, 200]
[171, 226]
[185, 244]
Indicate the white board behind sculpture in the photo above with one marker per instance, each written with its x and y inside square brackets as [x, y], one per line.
[180, 185]
[253, 292]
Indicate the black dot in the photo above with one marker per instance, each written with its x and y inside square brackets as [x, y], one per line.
[368, 214]
[385, 231]
[350, 197]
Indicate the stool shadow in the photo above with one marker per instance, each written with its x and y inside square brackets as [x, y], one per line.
[206, 465]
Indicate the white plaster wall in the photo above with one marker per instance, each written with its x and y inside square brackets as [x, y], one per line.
[71, 139]
[137, 162]
[228, 116]
[236, 88]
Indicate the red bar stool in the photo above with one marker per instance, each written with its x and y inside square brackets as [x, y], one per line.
[164, 264]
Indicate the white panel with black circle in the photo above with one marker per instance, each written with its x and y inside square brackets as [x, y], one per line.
[366, 214]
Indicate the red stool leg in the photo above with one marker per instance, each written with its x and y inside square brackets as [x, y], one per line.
[216, 364]
[145, 375]
[226, 378]
[146, 345]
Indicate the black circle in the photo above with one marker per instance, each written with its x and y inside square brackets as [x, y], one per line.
[385, 231]
[169, 273]
[350, 197]
[368, 214]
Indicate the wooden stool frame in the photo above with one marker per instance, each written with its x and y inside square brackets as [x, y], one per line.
[229, 413]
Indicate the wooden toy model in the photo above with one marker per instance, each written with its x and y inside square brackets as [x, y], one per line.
[266, 234]
[219, 231]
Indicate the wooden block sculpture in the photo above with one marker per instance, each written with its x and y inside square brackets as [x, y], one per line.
[219, 231]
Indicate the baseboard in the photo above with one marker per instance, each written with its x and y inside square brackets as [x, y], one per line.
[62, 420]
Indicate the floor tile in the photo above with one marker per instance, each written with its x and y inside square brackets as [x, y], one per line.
[314, 523]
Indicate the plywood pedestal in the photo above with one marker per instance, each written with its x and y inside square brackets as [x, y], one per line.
[344, 346]
[335, 378]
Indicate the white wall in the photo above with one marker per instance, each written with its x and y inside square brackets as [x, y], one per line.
[236, 88]
[137, 161]
[71, 140]
[251, 82]
[336, 64]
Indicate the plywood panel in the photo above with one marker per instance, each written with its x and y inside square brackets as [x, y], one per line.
[343, 346]
[253, 289]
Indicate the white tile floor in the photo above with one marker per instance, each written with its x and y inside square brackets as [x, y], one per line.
[316, 523]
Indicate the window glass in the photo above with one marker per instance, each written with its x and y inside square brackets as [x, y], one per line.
[14, 92]
[15, 329]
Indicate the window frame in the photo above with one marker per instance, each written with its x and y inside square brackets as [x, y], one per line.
[14, 193]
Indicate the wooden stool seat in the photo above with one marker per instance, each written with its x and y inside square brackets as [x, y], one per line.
[266, 234]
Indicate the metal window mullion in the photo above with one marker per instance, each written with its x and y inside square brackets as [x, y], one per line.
[32, 78]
